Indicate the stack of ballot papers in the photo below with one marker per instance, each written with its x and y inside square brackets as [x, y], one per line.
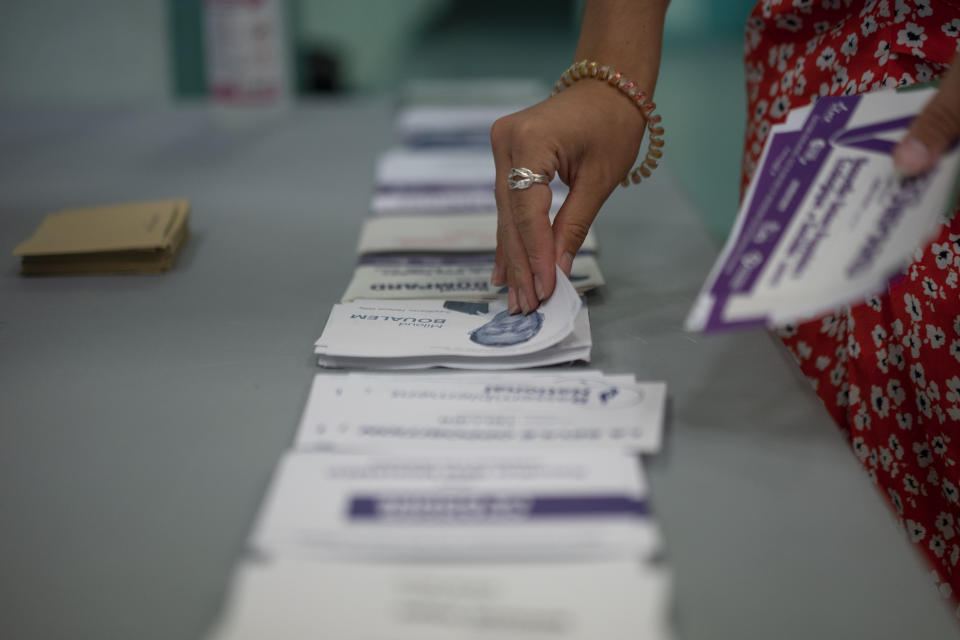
[827, 220]
[496, 503]
[512, 411]
[465, 545]
[421, 333]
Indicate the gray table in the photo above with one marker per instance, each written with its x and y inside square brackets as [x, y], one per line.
[141, 416]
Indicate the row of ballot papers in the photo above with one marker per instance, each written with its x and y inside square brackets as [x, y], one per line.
[470, 504]
[381, 524]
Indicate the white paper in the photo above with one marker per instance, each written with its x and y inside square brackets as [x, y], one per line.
[467, 232]
[550, 411]
[571, 601]
[449, 276]
[810, 240]
[456, 506]
[416, 328]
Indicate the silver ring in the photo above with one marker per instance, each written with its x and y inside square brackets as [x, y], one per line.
[522, 178]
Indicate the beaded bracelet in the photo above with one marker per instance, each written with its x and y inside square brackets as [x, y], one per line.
[590, 69]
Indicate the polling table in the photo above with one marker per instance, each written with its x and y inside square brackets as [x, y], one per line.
[141, 416]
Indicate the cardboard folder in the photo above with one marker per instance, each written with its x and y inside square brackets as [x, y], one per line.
[141, 237]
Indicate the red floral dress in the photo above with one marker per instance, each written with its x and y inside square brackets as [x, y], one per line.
[888, 369]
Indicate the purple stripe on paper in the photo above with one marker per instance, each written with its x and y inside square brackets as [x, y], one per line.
[440, 508]
[789, 169]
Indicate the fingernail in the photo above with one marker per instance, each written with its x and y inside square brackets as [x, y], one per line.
[512, 306]
[538, 285]
[524, 303]
[566, 262]
[912, 157]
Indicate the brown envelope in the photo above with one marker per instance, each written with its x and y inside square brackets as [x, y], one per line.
[141, 237]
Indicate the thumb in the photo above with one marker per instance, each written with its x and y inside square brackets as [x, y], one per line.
[934, 130]
[573, 221]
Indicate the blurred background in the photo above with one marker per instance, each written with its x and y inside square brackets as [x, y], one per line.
[154, 54]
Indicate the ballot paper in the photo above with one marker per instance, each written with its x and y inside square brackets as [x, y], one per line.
[452, 276]
[451, 125]
[827, 221]
[550, 410]
[468, 232]
[454, 333]
[452, 506]
[399, 601]
[411, 181]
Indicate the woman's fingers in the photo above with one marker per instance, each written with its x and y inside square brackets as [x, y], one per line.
[570, 227]
[935, 129]
[524, 238]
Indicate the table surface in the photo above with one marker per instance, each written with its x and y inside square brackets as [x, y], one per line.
[141, 416]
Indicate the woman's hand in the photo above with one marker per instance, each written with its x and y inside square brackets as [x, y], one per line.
[588, 135]
[934, 130]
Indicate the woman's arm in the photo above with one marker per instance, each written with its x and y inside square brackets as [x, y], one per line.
[588, 135]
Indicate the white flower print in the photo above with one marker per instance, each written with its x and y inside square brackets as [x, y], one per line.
[924, 73]
[931, 288]
[952, 278]
[779, 107]
[883, 9]
[953, 389]
[854, 393]
[955, 349]
[938, 547]
[943, 254]
[831, 4]
[917, 374]
[954, 558]
[913, 307]
[763, 130]
[905, 421]
[860, 449]
[843, 396]
[822, 362]
[791, 22]
[803, 5]
[900, 11]
[826, 59]
[935, 336]
[879, 402]
[820, 27]
[812, 44]
[896, 356]
[804, 351]
[939, 444]
[949, 490]
[760, 110]
[895, 446]
[924, 455]
[861, 421]
[895, 500]
[897, 327]
[882, 53]
[830, 324]
[905, 80]
[923, 8]
[895, 391]
[800, 85]
[786, 80]
[912, 35]
[886, 458]
[913, 341]
[952, 28]
[882, 361]
[916, 531]
[837, 374]
[933, 390]
[944, 524]
[849, 46]
[853, 347]
[879, 334]
[786, 52]
[873, 301]
[923, 403]
[868, 26]
[911, 484]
